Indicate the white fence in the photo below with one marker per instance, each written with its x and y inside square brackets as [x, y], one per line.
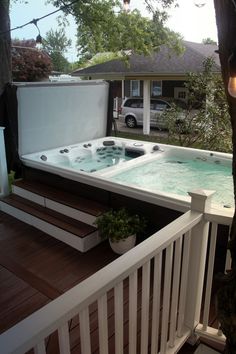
[117, 101]
[162, 279]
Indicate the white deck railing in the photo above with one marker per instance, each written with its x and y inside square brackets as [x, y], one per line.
[204, 329]
[4, 187]
[165, 278]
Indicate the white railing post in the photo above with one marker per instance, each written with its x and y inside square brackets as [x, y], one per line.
[4, 186]
[146, 107]
[201, 202]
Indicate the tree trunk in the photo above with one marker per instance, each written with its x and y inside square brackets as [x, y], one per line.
[5, 45]
[225, 11]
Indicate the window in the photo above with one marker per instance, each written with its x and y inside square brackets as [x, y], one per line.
[161, 105]
[134, 88]
[181, 93]
[134, 103]
[156, 88]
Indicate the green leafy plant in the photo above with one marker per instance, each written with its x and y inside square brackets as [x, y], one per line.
[205, 122]
[119, 224]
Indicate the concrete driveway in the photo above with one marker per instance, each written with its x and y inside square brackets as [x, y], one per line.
[121, 127]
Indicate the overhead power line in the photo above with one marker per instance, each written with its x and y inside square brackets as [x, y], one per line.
[36, 20]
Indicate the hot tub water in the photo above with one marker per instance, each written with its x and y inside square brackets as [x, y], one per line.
[104, 157]
[178, 176]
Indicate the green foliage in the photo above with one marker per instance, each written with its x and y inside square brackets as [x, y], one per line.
[208, 41]
[102, 26]
[119, 224]
[59, 62]
[98, 59]
[56, 43]
[126, 32]
[11, 178]
[205, 122]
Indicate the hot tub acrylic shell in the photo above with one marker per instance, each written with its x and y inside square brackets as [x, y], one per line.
[61, 163]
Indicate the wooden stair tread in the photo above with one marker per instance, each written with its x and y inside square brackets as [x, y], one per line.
[74, 201]
[61, 221]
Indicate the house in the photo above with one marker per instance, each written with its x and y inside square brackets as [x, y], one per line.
[166, 70]
[163, 73]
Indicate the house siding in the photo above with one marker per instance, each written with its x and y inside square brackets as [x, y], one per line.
[127, 88]
[168, 87]
[117, 91]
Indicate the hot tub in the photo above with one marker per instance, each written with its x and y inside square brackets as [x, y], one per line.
[91, 156]
[156, 173]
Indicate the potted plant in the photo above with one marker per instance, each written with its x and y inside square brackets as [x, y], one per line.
[120, 227]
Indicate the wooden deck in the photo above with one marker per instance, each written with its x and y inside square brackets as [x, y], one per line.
[36, 268]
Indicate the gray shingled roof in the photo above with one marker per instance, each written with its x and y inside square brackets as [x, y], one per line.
[164, 62]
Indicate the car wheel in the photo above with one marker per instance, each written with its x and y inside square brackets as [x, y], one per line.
[130, 122]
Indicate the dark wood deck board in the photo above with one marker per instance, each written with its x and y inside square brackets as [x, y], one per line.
[60, 196]
[18, 299]
[64, 222]
[29, 277]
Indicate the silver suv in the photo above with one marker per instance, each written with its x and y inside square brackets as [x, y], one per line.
[132, 112]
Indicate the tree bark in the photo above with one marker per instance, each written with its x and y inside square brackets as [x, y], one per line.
[225, 11]
[5, 45]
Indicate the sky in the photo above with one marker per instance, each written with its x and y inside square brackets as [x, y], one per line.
[192, 22]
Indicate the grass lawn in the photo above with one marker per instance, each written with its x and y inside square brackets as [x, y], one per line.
[155, 139]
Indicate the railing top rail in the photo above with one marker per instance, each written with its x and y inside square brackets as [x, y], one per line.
[223, 217]
[46, 320]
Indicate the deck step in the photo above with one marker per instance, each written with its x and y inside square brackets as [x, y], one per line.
[63, 202]
[66, 229]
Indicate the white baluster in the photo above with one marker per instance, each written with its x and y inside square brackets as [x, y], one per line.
[175, 291]
[211, 259]
[85, 331]
[156, 303]
[183, 285]
[145, 307]
[133, 291]
[64, 339]
[166, 298]
[119, 336]
[102, 324]
[40, 348]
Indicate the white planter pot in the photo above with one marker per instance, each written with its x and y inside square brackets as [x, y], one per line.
[123, 246]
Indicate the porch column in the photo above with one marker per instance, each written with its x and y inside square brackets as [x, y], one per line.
[122, 90]
[201, 202]
[146, 107]
[4, 187]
